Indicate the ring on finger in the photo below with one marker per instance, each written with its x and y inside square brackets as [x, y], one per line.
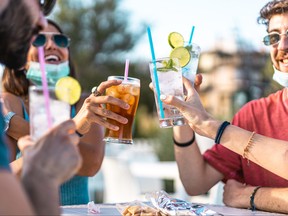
[95, 92]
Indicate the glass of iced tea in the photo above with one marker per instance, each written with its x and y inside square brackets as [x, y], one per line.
[128, 91]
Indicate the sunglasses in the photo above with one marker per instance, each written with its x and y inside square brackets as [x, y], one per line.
[59, 39]
[273, 38]
[47, 6]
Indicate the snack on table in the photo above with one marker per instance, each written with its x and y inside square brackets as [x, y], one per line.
[171, 206]
[137, 208]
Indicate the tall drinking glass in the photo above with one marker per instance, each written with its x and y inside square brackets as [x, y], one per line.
[129, 91]
[169, 75]
[189, 71]
[59, 110]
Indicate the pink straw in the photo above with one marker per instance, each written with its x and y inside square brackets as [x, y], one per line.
[45, 85]
[126, 70]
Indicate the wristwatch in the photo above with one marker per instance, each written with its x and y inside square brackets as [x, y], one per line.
[7, 119]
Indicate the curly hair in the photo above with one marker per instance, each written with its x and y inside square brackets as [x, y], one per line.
[272, 8]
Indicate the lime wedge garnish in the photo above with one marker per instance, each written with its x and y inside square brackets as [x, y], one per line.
[68, 89]
[175, 39]
[182, 54]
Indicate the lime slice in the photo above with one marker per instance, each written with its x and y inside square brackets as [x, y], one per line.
[68, 89]
[182, 54]
[175, 40]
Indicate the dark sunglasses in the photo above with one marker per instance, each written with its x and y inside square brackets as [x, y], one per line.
[47, 6]
[59, 39]
[273, 38]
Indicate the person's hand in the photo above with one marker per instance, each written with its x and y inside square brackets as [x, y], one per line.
[55, 155]
[198, 82]
[93, 111]
[237, 194]
[192, 108]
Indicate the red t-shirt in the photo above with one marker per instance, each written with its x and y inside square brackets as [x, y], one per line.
[266, 116]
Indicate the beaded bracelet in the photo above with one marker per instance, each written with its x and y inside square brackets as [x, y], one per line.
[220, 131]
[190, 142]
[252, 204]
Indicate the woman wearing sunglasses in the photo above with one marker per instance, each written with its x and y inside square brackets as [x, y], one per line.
[88, 114]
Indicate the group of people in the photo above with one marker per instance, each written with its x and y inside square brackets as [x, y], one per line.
[31, 173]
[249, 154]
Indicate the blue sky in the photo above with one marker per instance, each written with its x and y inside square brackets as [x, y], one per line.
[213, 19]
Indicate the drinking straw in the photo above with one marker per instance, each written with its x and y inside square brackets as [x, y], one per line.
[126, 70]
[45, 85]
[155, 72]
[191, 35]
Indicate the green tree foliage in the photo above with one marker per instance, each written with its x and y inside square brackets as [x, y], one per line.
[100, 37]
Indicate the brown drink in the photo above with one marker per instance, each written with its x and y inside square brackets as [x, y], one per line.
[128, 91]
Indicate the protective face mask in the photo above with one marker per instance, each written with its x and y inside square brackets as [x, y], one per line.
[53, 72]
[280, 77]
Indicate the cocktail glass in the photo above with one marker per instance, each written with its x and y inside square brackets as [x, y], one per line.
[59, 110]
[169, 75]
[189, 71]
[129, 91]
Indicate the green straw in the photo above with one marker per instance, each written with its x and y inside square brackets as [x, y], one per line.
[155, 73]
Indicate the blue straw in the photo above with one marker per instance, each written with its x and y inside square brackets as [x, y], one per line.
[191, 35]
[155, 72]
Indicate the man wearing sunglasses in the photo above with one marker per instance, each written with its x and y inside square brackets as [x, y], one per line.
[266, 116]
[49, 162]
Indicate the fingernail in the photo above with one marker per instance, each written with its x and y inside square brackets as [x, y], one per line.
[163, 97]
[127, 106]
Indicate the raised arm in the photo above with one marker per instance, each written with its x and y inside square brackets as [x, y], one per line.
[234, 138]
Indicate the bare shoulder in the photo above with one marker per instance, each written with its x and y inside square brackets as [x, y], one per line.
[9, 96]
[11, 102]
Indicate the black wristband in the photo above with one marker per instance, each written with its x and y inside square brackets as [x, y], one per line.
[220, 131]
[190, 142]
[79, 134]
[252, 204]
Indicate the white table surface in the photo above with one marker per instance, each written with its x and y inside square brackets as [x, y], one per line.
[111, 210]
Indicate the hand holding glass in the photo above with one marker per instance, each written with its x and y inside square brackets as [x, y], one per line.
[128, 91]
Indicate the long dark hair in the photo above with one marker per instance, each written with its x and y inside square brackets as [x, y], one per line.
[15, 81]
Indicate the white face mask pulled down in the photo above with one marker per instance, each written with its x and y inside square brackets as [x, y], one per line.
[280, 77]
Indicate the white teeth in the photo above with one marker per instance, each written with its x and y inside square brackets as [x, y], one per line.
[285, 61]
[52, 58]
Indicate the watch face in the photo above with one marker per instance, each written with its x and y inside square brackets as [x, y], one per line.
[7, 119]
[6, 126]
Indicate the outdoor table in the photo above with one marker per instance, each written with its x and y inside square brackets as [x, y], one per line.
[111, 210]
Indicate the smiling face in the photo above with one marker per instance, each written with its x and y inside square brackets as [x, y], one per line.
[279, 52]
[53, 53]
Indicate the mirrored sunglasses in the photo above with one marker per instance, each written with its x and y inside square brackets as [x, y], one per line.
[47, 6]
[273, 38]
[59, 39]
